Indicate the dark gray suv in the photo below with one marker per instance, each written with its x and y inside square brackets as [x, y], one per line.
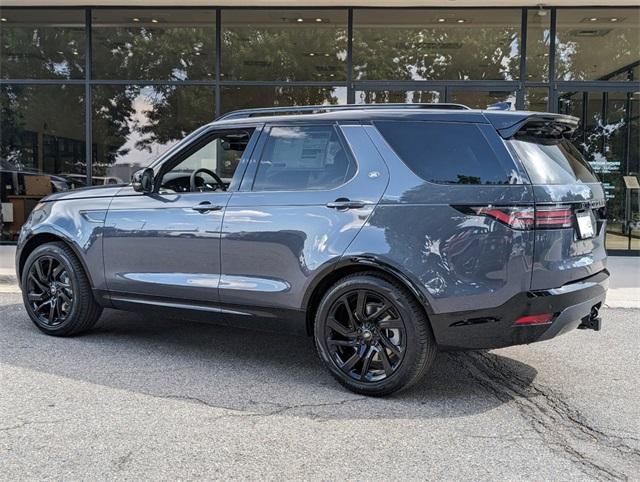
[385, 232]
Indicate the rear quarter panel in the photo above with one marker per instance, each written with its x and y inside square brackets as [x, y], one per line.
[459, 262]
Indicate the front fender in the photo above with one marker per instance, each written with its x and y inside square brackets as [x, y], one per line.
[79, 224]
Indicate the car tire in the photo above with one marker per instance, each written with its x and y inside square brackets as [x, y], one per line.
[370, 352]
[53, 274]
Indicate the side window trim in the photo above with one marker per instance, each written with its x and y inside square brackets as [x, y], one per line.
[249, 181]
[172, 161]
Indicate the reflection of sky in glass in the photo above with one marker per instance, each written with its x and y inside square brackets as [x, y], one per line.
[142, 104]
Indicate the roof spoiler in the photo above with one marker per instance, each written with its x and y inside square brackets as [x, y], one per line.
[541, 125]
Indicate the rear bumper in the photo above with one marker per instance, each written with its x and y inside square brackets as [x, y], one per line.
[571, 305]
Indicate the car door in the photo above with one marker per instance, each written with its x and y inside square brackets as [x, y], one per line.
[307, 192]
[165, 246]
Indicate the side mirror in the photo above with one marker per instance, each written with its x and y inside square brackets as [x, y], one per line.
[142, 180]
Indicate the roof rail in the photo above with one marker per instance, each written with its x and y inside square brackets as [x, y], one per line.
[315, 109]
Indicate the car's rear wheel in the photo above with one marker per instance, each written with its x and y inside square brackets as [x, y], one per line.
[56, 291]
[372, 335]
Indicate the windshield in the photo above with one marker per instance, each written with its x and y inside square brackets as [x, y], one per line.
[552, 161]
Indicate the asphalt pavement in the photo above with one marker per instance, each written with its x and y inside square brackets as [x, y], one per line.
[164, 399]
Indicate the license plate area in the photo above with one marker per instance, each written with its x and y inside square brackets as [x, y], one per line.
[585, 224]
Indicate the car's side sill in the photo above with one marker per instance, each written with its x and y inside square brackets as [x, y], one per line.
[250, 317]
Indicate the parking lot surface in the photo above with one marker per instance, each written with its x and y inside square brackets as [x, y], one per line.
[140, 397]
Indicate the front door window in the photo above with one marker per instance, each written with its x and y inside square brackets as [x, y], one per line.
[210, 166]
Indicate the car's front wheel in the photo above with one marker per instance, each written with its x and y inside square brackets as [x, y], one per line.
[56, 291]
[373, 335]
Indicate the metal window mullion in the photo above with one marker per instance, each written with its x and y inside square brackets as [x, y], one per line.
[88, 107]
[553, 87]
[351, 99]
[218, 93]
[523, 59]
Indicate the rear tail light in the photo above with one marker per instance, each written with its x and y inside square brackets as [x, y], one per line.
[524, 217]
[551, 217]
[515, 217]
[541, 319]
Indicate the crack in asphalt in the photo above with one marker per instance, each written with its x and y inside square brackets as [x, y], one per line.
[26, 423]
[562, 427]
[280, 407]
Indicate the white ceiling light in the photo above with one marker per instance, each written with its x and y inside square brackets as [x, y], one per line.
[135, 19]
[3, 19]
[300, 20]
[461, 20]
[318, 20]
[441, 20]
[153, 20]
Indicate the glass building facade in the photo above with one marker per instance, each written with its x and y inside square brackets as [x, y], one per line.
[88, 95]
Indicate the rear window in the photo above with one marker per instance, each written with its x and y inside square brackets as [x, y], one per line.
[552, 161]
[446, 152]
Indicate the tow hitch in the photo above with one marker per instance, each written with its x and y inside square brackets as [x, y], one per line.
[593, 320]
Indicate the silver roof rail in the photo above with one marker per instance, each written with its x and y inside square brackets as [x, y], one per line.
[315, 109]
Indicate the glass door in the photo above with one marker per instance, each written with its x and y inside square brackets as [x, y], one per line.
[609, 137]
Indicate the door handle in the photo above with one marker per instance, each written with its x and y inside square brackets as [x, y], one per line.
[206, 206]
[343, 204]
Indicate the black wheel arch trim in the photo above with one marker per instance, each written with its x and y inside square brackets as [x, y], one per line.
[47, 233]
[363, 262]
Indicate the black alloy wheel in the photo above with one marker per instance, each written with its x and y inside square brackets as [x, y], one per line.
[365, 335]
[49, 290]
[373, 335]
[56, 291]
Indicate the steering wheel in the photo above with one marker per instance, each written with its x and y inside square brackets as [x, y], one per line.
[194, 174]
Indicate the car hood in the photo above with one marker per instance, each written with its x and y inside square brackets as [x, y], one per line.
[86, 192]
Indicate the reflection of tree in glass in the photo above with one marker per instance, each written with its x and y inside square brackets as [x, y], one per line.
[390, 96]
[249, 97]
[29, 112]
[174, 113]
[41, 51]
[143, 52]
[575, 54]
[140, 118]
[394, 53]
[263, 53]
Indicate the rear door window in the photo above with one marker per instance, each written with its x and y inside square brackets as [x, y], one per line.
[552, 161]
[446, 152]
[299, 158]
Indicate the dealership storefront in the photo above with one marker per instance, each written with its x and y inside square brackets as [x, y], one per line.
[89, 94]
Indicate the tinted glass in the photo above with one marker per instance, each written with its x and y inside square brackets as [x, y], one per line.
[538, 37]
[248, 97]
[608, 137]
[133, 125]
[397, 96]
[536, 99]
[42, 44]
[447, 44]
[42, 148]
[284, 45]
[303, 158]
[449, 153]
[597, 44]
[154, 44]
[478, 99]
[552, 161]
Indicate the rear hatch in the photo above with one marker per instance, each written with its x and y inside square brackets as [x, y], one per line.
[570, 208]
